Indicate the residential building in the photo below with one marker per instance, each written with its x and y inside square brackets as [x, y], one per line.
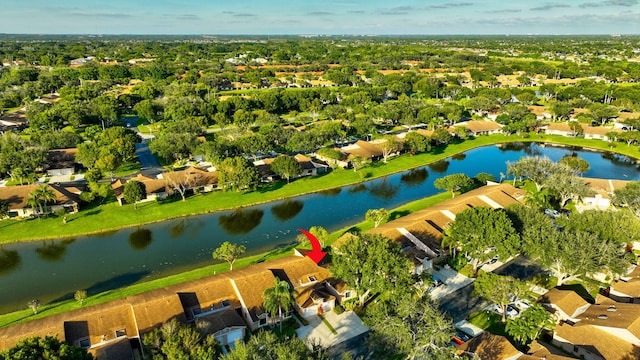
[480, 127]
[17, 198]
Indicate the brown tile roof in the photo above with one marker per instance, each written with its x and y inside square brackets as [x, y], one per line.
[566, 300]
[538, 110]
[312, 294]
[631, 286]
[610, 314]
[156, 307]
[480, 126]
[538, 351]
[364, 149]
[17, 196]
[628, 115]
[605, 186]
[598, 342]
[119, 349]
[598, 130]
[220, 320]
[490, 346]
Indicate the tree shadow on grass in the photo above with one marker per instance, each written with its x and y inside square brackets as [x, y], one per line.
[116, 282]
[398, 214]
[268, 187]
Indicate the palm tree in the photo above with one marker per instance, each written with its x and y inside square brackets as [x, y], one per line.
[278, 298]
[34, 201]
[46, 195]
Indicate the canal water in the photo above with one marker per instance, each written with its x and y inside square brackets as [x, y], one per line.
[54, 269]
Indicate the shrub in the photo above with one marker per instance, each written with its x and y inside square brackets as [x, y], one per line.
[350, 304]
[60, 212]
[338, 309]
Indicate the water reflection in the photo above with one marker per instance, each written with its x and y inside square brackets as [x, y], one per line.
[529, 148]
[415, 177]
[460, 156]
[52, 250]
[179, 229]
[439, 166]
[287, 210]
[241, 221]
[140, 239]
[330, 192]
[9, 261]
[619, 159]
[384, 189]
[357, 188]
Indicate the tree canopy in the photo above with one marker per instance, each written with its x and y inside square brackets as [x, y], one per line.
[47, 348]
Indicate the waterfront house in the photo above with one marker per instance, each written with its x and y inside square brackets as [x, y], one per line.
[17, 199]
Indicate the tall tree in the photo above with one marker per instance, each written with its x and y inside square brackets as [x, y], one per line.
[536, 169]
[267, 345]
[286, 166]
[237, 173]
[453, 183]
[567, 187]
[483, 233]
[229, 252]
[389, 146]
[377, 216]
[628, 196]
[278, 298]
[499, 289]
[576, 163]
[407, 324]
[174, 340]
[47, 348]
[134, 191]
[528, 326]
[372, 263]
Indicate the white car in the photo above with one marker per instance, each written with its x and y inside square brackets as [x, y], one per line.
[511, 311]
[521, 304]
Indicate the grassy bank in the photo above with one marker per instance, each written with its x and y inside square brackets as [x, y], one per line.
[111, 216]
[94, 299]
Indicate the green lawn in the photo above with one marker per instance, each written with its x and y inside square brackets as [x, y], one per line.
[110, 216]
[489, 321]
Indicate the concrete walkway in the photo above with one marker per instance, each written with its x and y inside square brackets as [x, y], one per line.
[347, 325]
[453, 281]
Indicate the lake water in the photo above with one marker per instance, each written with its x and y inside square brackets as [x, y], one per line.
[54, 269]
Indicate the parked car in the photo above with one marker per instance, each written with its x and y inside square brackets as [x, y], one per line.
[520, 304]
[460, 338]
[511, 311]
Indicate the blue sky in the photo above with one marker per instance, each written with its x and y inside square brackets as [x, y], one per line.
[320, 17]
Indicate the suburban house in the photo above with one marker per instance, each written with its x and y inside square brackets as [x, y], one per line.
[168, 183]
[490, 346]
[420, 234]
[480, 127]
[61, 162]
[224, 305]
[309, 167]
[540, 112]
[364, 149]
[13, 121]
[589, 132]
[627, 289]
[604, 330]
[603, 191]
[17, 198]
[565, 305]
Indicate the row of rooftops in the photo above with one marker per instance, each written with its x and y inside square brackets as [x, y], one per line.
[138, 314]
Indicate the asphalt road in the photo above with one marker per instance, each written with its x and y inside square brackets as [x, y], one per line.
[148, 161]
[459, 304]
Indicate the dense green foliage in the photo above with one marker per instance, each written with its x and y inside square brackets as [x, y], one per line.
[47, 348]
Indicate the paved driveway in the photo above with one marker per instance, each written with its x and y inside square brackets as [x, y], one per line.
[148, 162]
[347, 325]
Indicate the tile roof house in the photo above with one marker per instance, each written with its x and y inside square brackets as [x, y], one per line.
[17, 197]
[309, 167]
[627, 289]
[603, 189]
[420, 233]
[61, 162]
[591, 343]
[222, 304]
[482, 127]
[564, 304]
[589, 132]
[490, 346]
[161, 187]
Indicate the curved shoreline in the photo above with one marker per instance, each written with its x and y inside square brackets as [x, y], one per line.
[430, 158]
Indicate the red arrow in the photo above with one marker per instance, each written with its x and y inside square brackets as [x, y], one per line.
[316, 254]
